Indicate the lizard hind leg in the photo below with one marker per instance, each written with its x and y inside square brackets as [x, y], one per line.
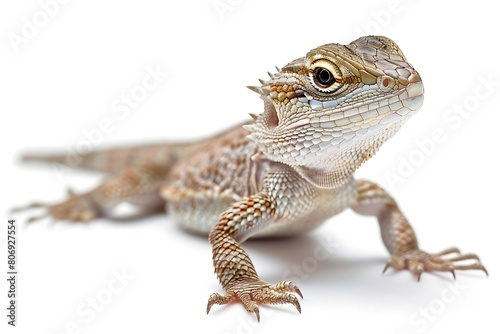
[74, 208]
[400, 239]
[138, 185]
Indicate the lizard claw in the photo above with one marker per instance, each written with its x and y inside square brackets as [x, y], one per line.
[252, 292]
[297, 291]
[34, 205]
[417, 262]
[257, 314]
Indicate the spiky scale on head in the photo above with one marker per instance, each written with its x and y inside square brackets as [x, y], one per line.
[328, 112]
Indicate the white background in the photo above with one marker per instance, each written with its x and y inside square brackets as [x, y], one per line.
[63, 81]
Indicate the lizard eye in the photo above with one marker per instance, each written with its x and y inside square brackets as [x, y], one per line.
[323, 77]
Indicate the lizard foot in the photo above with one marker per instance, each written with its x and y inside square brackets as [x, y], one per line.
[252, 292]
[417, 261]
[74, 208]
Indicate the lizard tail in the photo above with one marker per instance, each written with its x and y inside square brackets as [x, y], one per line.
[114, 159]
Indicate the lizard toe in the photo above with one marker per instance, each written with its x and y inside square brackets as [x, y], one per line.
[418, 261]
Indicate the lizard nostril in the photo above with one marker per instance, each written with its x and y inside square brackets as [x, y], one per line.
[385, 83]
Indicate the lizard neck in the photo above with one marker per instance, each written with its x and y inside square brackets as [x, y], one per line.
[335, 176]
[341, 167]
[326, 179]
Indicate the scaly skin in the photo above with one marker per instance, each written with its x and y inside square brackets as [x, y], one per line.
[284, 173]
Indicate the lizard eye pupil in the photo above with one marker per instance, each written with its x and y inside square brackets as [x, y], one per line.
[323, 77]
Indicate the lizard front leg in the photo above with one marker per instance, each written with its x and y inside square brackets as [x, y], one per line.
[284, 197]
[399, 237]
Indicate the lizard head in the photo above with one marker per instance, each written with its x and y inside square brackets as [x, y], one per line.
[328, 112]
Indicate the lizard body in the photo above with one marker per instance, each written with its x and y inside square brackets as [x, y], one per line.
[227, 169]
[285, 173]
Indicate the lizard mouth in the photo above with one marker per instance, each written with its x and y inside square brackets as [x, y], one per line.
[415, 93]
[270, 116]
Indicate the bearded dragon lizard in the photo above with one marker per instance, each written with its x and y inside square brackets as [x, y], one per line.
[285, 172]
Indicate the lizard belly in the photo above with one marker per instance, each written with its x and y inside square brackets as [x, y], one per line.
[198, 213]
